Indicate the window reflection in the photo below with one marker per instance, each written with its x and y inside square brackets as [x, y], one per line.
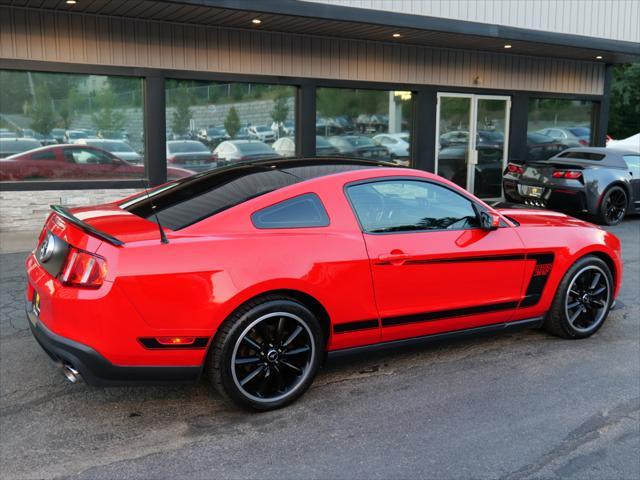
[98, 119]
[371, 124]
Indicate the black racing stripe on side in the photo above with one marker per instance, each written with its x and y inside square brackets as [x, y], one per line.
[442, 314]
[537, 282]
[152, 343]
[478, 258]
[355, 326]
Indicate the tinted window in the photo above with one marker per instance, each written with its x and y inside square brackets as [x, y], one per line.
[254, 147]
[185, 147]
[633, 161]
[410, 205]
[46, 155]
[582, 155]
[299, 212]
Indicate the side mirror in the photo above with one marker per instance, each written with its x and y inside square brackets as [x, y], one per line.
[489, 220]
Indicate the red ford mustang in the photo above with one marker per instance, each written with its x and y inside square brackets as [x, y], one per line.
[252, 273]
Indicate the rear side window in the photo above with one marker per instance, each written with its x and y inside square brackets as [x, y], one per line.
[299, 212]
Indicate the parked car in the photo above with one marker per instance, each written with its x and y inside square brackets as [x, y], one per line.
[632, 143]
[602, 182]
[329, 126]
[58, 134]
[324, 147]
[359, 146]
[72, 162]
[212, 136]
[8, 134]
[542, 147]
[12, 146]
[243, 150]
[114, 135]
[397, 144]
[455, 137]
[190, 154]
[285, 147]
[570, 136]
[251, 274]
[262, 133]
[119, 148]
[71, 136]
[284, 128]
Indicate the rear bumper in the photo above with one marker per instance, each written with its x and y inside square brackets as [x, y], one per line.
[97, 370]
[564, 199]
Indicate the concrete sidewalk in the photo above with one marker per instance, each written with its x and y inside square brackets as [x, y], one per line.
[16, 242]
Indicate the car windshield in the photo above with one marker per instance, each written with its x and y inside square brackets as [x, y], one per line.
[262, 128]
[187, 147]
[77, 135]
[580, 131]
[491, 137]
[582, 155]
[215, 131]
[113, 146]
[360, 141]
[254, 147]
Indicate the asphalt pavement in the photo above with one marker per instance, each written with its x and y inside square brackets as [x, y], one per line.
[512, 406]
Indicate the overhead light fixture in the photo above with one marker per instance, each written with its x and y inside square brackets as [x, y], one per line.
[599, 57]
[507, 45]
[256, 21]
[396, 35]
[71, 2]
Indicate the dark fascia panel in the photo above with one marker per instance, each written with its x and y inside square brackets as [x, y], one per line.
[419, 22]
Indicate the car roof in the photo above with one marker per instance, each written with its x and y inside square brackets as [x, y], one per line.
[612, 157]
[192, 199]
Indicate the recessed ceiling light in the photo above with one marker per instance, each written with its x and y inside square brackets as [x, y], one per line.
[396, 35]
[71, 2]
[599, 57]
[507, 46]
[256, 21]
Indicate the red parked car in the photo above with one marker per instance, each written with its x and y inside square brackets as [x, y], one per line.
[73, 162]
[251, 273]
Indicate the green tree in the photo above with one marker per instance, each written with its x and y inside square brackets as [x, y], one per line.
[232, 122]
[68, 107]
[182, 113]
[14, 92]
[624, 117]
[107, 117]
[42, 115]
[280, 112]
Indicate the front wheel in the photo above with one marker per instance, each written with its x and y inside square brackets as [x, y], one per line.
[613, 206]
[582, 301]
[267, 353]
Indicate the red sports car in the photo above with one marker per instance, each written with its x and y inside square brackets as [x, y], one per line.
[251, 273]
[73, 162]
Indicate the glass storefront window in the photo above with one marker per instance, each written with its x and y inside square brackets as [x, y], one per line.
[56, 126]
[556, 124]
[211, 124]
[371, 124]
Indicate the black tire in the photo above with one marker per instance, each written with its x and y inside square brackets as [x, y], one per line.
[613, 206]
[567, 317]
[253, 359]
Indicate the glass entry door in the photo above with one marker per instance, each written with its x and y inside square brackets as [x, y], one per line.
[472, 141]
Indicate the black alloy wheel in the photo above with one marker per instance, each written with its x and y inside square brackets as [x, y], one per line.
[614, 206]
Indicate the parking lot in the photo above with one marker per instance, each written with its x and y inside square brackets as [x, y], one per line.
[522, 405]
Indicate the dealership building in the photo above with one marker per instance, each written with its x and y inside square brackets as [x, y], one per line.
[153, 90]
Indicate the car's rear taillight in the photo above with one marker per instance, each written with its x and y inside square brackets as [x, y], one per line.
[515, 168]
[569, 174]
[583, 142]
[83, 269]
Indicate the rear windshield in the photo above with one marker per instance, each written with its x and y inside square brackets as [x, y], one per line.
[186, 147]
[256, 147]
[580, 131]
[583, 155]
[187, 201]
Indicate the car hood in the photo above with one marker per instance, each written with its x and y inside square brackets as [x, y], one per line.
[529, 217]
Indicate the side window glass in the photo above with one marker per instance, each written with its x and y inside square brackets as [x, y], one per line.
[410, 205]
[633, 162]
[46, 155]
[299, 212]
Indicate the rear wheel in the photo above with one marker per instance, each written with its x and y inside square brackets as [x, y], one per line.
[613, 206]
[267, 353]
[582, 301]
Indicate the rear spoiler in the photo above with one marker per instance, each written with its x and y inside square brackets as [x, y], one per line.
[71, 218]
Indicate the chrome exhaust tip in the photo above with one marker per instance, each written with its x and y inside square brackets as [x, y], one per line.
[71, 373]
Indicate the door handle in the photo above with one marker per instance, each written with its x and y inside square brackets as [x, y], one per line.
[395, 257]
